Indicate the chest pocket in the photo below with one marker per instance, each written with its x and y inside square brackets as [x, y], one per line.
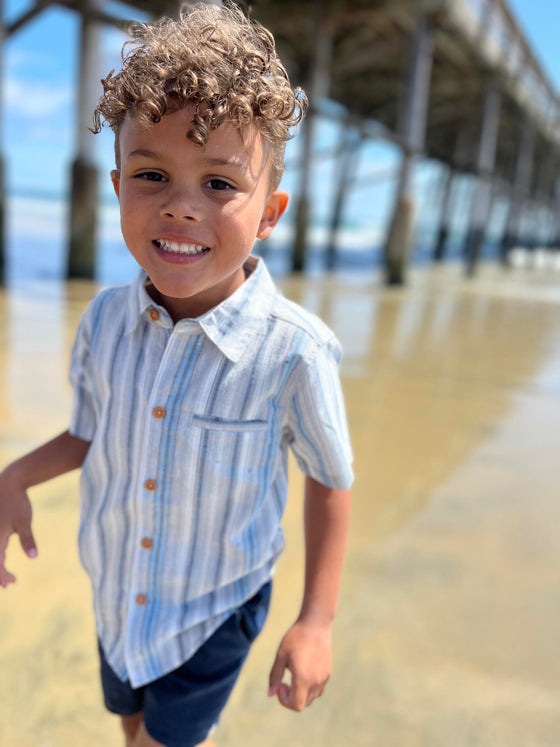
[229, 426]
[235, 450]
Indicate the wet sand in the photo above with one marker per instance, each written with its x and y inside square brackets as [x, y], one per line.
[447, 632]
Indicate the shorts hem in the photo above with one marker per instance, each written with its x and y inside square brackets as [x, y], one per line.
[121, 712]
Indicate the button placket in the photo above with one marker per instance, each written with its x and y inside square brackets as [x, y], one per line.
[143, 558]
[151, 489]
[144, 594]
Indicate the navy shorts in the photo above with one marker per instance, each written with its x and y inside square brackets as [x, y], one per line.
[180, 708]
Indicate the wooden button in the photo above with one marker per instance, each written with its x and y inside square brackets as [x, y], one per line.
[141, 599]
[147, 543]
[158, 412]
[150, 484]
[154, 315]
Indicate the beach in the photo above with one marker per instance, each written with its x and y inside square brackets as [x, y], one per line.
[446, 634]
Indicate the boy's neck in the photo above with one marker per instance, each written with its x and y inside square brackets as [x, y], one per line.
[194, 307]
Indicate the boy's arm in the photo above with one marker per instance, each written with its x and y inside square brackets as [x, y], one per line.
[305, 650]
[63, 454]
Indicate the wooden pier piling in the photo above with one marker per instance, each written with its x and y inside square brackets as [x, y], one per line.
[482, 198]
[519, 189]
[84, 178]
[347, 164]
[412, 127]
[317, 88]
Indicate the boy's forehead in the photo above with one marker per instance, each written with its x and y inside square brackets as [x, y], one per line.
[226, 144]
[242, 148]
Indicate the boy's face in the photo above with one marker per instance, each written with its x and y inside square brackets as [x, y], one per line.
[190, 215]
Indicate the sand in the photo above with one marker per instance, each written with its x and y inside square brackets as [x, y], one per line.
[447, 627]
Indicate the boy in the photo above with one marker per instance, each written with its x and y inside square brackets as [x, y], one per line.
[189, 386]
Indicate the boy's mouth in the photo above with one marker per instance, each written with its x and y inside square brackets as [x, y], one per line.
[175, 248]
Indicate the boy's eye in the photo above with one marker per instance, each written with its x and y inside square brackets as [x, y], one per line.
[150, 176]
[219, 185]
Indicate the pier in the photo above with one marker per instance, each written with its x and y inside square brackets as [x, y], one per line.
[453, 81]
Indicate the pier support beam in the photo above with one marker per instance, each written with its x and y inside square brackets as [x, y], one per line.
[555, 210]
[449, 196]
[544, 186]
[523, 169]
[83, 205]
[412, 128]
[317, 88]
[552, 206]
[347, 162]
[446, 212]
[482, 198]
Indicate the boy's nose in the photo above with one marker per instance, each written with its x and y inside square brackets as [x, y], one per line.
[181, 204]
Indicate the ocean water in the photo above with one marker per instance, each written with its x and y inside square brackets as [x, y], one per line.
[36, 246]
[34, 259]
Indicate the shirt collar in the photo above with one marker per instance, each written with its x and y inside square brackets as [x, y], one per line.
[231, 325]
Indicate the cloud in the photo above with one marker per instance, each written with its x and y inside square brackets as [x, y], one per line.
[35, 100]
[28, 59]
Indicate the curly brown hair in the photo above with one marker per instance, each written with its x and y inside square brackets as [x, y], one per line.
[215, 58]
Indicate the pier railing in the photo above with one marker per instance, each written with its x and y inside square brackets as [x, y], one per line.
[491, 25]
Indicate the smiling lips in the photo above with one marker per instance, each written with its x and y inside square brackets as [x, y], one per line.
[174, 247]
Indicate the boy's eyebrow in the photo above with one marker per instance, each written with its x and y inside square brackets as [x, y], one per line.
[236, 162]
[211, 160]
[142, 152]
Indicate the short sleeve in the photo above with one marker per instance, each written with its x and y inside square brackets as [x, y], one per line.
[317, 418]
[83, 421]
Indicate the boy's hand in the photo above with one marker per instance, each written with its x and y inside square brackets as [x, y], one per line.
[306, 652]
[15, 518]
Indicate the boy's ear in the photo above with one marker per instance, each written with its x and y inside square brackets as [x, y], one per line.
[276, 205]
[116, 179]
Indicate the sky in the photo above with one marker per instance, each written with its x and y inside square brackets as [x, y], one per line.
[540, 20]
[39, 130]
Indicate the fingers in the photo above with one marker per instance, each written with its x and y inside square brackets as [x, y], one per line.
[22, 525]
[6, 577]
[23, 529]
[293, 697]
[27, 539]
[296, 696]
[276, 673]
[305, 653]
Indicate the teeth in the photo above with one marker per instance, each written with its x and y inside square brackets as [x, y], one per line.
[172, 246]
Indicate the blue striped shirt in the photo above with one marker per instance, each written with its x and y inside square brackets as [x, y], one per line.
[185, 481]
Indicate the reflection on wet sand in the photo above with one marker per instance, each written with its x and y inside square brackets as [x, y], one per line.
[447, 628]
